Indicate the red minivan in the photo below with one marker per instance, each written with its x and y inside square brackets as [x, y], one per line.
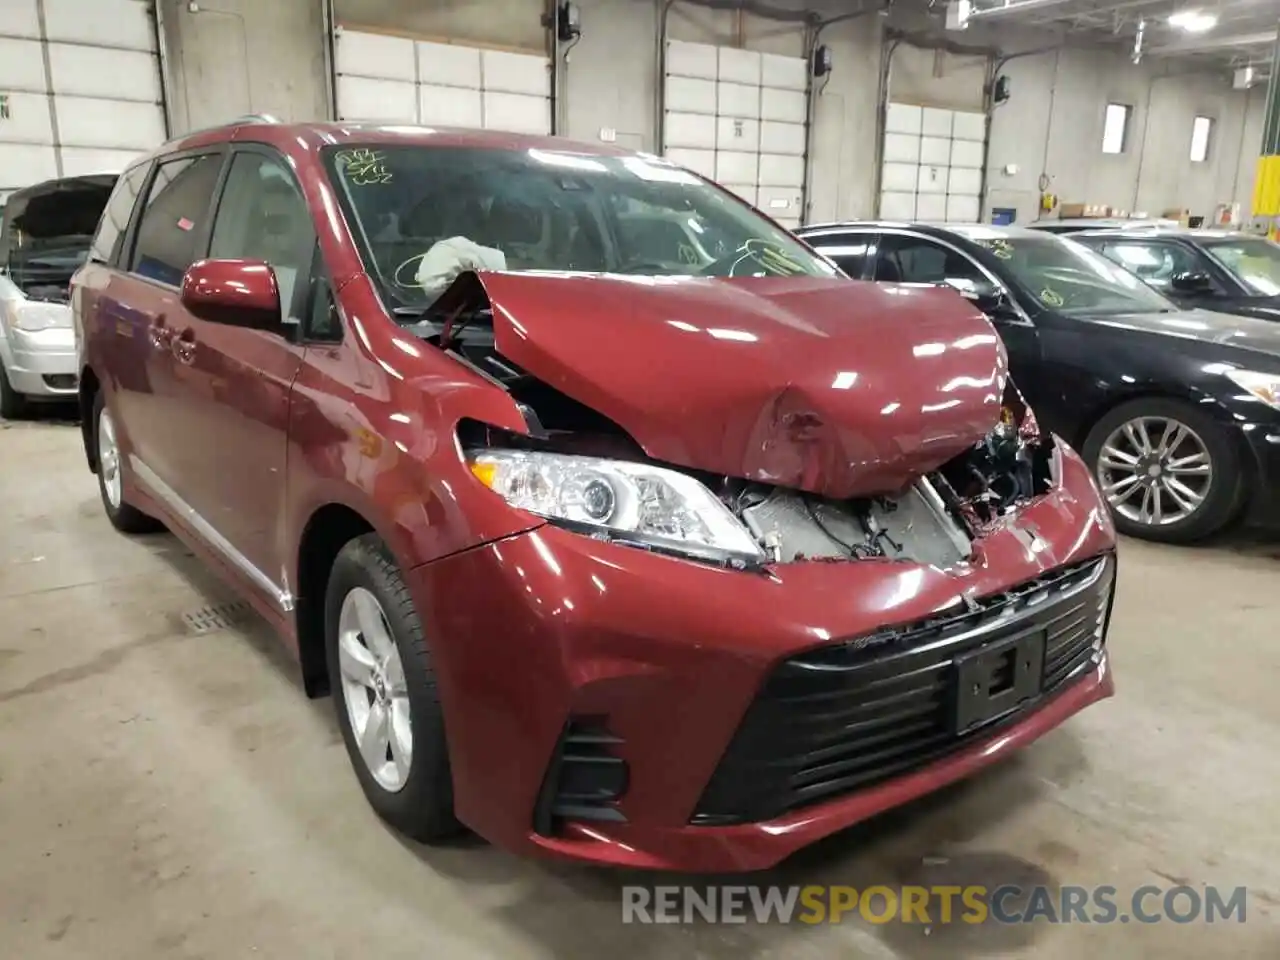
[619, 525]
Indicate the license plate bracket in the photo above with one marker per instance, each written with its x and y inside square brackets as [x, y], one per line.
[998, 678]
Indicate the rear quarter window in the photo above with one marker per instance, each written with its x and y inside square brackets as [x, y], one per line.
[115, 218]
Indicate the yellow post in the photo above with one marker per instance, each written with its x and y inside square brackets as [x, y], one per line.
[1266, 184]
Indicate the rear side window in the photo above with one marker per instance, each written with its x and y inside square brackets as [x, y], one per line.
[175, 219]
[115, 218]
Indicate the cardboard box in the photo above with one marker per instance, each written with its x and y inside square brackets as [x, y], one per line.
[1180, 214]
[1076, 211]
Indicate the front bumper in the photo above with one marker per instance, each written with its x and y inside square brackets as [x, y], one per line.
[548, 632]
[42, 364]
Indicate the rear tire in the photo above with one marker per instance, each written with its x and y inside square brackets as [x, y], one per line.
[125, 518]
[1186, 485]
[13, 405]
[384, 692]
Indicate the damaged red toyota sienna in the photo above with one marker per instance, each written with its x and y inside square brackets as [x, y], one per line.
[618, 524]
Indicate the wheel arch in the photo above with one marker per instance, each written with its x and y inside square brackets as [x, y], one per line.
[328, 529]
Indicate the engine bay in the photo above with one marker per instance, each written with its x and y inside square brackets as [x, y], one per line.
[933, 521]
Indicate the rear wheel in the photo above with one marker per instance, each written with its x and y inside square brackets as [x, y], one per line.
[13, 405]
[384, 692]
[1169, 471]
[123, 517]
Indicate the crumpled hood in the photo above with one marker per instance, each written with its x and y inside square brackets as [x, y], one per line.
[832, 386]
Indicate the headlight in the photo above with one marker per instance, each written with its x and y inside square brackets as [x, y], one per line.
[32, 317]
[1264, 386]
[649, 505]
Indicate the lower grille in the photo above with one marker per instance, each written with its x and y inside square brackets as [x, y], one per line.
[846, 716]
[584, 779]
[60, 381]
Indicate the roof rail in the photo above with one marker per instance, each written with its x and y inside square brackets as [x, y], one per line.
[254, 118]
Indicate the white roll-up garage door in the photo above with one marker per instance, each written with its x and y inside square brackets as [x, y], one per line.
[81, 88]
[932, 164]
[393, 79]
[738, 117]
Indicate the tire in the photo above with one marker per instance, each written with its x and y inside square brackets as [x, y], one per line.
[125, 518]
[418, 801]
[1169, 474]
[13, 405]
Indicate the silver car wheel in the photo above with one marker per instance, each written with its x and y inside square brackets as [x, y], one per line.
[374, 689]
[109, 459]
[1155, 470]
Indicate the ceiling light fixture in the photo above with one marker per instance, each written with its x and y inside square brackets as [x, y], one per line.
[1193, 21]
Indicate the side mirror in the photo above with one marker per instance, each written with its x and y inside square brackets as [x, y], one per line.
[992, 301]
[237, 293]
[1191, 284]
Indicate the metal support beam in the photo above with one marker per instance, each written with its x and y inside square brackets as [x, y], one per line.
[1013, 9]
[1210, 43]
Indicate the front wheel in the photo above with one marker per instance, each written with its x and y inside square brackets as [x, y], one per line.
[1169, 471]
[13, 405]
[384, 692]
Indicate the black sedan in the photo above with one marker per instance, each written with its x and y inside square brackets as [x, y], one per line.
[1177, 411]
[1214, 269]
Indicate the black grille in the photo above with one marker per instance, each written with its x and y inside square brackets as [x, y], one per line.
[584, 779]
[845, 716]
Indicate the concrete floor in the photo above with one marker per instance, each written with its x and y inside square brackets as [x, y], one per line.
[165, 793]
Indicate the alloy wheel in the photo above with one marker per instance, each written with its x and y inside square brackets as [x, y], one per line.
[374, 689]
[1155, 470]
[109, 459]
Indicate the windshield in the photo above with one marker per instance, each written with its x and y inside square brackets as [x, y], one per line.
[425, 214]
[1251, 260]
[1066, 275]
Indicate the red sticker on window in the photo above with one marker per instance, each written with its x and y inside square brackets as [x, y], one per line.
[185, 224]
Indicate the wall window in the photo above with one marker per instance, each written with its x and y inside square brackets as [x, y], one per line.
[1115, 128]
[1201, 131]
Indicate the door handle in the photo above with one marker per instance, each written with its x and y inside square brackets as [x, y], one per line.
[159, 333]
[184, 346]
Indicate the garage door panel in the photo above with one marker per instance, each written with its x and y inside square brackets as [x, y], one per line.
[931, 180]
[79, 161]
[779, 170]
[691, 95]
[935, 150]
[118, 124]
[737, 100]
[779, 202]
[739, 66]
[361, 98]
[963, 180]
[735, 134]
[25, 164]
[935, 122]
[900, 177]
[931, 207]
[450, 106]
[898, 205]
[375, 56]
[689, 130]
[515, 73]
[22, 66]
[448, 64]
[29, 120]
[786, 105]
[691, 59]
[902, 118]
[969, 126]
[776, 137]
[791, 73]
[902, 148]
[966, 153]
[20, 18]
[103, 72]
[699, 161]
[736, 167]
[963, 209]
[747, 191]
[108, 23]
[516, 112]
